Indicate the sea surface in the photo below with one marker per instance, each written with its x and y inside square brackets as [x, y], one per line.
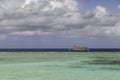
[59, 50]
[60, 66]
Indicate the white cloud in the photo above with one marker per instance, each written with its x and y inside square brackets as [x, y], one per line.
[43, 15]
[118, 6]
[55, 17]
[100, 12]
[28, 2]
[101, 23]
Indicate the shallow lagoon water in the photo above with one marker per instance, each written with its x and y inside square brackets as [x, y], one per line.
[59, 66]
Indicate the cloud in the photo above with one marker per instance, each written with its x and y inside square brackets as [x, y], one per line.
[55, 18]
[101, 23]
[37, 17]
[118, 6]
[100, 12]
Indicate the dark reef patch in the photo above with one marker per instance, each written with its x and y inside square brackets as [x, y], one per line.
[105, 62]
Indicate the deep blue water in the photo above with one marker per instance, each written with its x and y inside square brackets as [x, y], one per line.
[61, 50]
[104, 50]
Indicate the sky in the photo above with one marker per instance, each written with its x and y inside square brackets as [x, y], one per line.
[59, 23]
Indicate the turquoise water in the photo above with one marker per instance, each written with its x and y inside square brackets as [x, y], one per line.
[59, 66]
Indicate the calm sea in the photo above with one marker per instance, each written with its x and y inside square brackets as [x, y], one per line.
[60, 66]
[60, 50]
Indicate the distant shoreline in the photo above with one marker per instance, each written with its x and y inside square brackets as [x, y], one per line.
[59, 50]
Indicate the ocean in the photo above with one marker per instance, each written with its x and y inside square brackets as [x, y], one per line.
[59, 50]
[59, 66]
